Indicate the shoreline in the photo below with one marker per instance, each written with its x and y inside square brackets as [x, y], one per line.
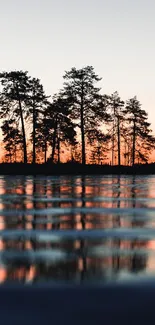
[74, 169]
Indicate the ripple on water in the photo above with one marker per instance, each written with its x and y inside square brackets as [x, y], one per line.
[82, 228]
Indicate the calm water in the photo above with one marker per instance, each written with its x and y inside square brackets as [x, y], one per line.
[76, 229]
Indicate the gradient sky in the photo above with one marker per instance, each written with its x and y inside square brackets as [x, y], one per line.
[117, 37]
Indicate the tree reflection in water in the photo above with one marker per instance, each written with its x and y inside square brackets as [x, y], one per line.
[27, 259]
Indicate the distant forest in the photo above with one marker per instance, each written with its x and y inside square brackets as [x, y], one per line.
[79, 124]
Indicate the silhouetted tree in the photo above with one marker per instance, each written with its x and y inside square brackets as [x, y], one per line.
[42, 135]
[116, 105]
[97, 155]
[59, 125]
[76, 152]
[12, 139]
[15, 87]
[85, 100]
[127, 140]
[100, 145]
[142, 140]
[36, 102]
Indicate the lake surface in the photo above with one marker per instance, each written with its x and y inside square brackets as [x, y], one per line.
[76, 229]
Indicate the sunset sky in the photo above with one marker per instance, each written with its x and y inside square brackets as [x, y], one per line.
[117, 37]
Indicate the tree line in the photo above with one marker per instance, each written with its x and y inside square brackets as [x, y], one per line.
[79, 122]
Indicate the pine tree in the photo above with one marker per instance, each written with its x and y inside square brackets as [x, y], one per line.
[12, 139]
[15, 88]
[99, 143]
[139, 130]
[58, 125]
[85, 101]
[36, 102]
[116, 107]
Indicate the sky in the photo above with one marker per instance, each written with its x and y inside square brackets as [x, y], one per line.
[117, 37]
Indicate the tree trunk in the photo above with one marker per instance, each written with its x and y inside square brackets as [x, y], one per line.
[15, 153]
[34, 135]
[54, 141]
[23, 128]
[45, 157]
[113, 143]
[134, 143]
[82, 130]
[129, 155]
[10, 155]
[125, 154]
[58, 150]
[118, 140]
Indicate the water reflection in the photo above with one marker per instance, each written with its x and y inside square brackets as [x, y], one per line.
[83, 228]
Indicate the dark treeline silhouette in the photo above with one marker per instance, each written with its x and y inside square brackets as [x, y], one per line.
[79, 124]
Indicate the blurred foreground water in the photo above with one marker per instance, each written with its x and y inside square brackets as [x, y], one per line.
[82, 229]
